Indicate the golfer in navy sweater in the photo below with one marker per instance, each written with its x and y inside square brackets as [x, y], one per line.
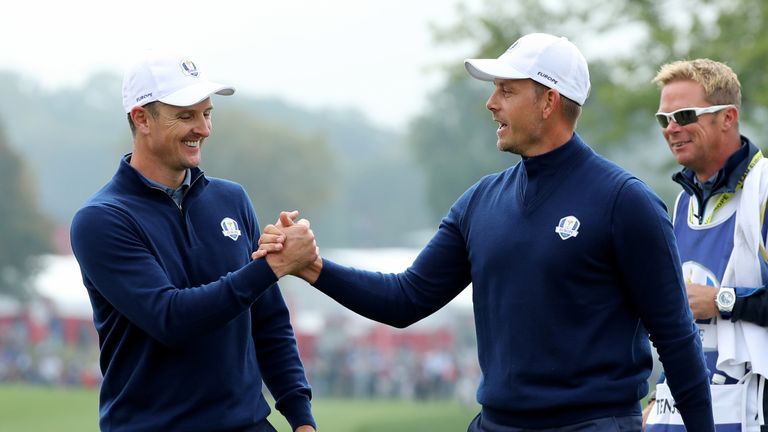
[572, 261]
[188, 325]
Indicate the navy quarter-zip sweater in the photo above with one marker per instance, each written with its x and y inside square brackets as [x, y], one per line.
[572, 262]
[188, 325]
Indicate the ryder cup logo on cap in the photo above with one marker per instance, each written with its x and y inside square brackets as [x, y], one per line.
[189, 67]
[169, 78]
[549, 60]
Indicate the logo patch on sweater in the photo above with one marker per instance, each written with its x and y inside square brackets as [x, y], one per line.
[568, 227]
[230, 229]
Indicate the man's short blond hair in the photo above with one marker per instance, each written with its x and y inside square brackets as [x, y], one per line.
[721, 85]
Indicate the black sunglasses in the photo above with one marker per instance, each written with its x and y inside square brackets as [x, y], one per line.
[685, 116]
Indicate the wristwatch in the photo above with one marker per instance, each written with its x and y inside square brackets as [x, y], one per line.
[725, 299]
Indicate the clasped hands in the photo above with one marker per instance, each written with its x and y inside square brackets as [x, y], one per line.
[289, 247]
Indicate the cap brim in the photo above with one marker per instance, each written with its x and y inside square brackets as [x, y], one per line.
[491, 69]
[195, 93]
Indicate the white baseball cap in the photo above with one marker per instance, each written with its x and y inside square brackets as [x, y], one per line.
[549, 60]
[169, 78]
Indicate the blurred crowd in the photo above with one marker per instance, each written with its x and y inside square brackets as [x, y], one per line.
[363, 372]
[341, 361]
[30, 355]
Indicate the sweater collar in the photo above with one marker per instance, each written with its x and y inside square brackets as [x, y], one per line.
[555, 160]
[128, 177]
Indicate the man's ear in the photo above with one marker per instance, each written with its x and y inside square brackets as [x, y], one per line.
[551, 102]
[730, 118]
[140, 117]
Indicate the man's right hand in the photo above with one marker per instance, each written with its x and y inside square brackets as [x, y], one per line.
[290, 248]
[272, 239]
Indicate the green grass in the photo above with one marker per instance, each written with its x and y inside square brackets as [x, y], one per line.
[42, 409]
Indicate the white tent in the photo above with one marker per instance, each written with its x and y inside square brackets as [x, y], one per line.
[59, 281]
[9, 307]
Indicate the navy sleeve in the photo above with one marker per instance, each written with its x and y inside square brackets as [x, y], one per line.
[439, 273]
[752, 308]
[278, 358]
[116, 263]
[649, 264]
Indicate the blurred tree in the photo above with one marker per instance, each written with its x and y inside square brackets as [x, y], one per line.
[625, 42]
[79, 126]
[380, 202]
[281, 169]
[24, 232]
[378, 195]
[455, 143]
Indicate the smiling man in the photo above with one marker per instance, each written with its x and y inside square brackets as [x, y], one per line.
[565, 251]
[188, 325]
[720, 225]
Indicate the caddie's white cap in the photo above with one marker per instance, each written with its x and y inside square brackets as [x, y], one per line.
[550, 60]
[169, 78]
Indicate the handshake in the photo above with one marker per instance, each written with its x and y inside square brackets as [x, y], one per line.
[289, 247]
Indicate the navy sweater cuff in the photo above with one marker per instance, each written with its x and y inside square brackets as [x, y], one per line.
[697, 411]
[328, 266]
[299, 413]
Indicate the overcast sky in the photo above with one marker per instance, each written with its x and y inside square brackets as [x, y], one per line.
[375, 55]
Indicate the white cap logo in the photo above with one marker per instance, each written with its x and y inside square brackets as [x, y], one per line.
[189, 68]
